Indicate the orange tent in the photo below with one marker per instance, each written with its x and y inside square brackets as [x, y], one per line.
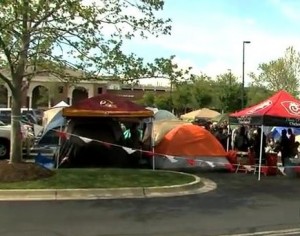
[190, 141]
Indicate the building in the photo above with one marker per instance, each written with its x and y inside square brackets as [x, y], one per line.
[44, 91]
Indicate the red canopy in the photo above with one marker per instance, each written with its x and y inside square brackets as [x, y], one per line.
[282, 109]
[106, 105]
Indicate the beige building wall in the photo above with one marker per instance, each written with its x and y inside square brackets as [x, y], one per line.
[63, 91]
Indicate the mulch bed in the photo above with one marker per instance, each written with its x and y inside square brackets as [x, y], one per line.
[22, 171]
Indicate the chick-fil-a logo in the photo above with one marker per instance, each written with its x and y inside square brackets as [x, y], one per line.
[292, 108]
[260, 106]
[107, 103]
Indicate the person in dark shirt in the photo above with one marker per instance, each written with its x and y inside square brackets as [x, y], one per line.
[284, 145]
[241, 141]
[221, 135]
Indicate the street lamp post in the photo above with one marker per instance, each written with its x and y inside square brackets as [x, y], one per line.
[243, 74]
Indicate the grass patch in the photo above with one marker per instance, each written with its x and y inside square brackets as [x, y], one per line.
[102, 178]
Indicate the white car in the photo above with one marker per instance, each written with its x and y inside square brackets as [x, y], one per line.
[5, 132]
[4, 141]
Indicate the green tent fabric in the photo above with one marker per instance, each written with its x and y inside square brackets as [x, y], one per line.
[221, 118]
[164, 115]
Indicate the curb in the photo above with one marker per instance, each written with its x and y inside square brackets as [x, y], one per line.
[198, 186]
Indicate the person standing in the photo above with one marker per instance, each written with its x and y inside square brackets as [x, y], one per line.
[292, 139]
[241, 141]
[284, 145]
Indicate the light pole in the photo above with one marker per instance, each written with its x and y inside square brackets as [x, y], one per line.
[243, 74]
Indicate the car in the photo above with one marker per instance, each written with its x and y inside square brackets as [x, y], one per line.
[5, 137]
[5, 131]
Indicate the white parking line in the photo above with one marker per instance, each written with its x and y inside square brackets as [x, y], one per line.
[295, 231]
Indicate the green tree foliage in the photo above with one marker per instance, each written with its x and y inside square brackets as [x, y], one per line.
[163, 102]
[201, 91]
[257, 94]
[229, 92]
[149, 99]
[282, 73]
[182, 97]
[39, 36]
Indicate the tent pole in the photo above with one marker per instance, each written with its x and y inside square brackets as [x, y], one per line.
[152, 144]
[59, 148]
[260, 151]
[228, 137]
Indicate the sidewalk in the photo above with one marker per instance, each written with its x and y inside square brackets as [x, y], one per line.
[200, 185]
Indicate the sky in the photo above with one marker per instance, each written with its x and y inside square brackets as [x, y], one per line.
[208, 34]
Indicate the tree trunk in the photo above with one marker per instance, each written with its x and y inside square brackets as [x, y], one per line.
[16, 134]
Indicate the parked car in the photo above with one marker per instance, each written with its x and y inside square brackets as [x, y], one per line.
[5, 131]
[5, 135]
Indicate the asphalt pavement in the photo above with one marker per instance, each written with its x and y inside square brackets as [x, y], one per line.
[239, 205]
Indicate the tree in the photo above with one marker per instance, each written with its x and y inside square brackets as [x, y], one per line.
[163, 102]
[257, 94]
[229, 94]
[282, 73]
[149, 99]
[182, 97]
[166, 68]
[60, 36]
[201, 91]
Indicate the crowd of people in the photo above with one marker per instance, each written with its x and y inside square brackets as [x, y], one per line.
[251, 139]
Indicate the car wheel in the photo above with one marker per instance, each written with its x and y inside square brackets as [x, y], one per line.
[4, 149]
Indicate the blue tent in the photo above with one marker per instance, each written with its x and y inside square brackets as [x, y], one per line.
[276, 132]
[49, 135]
[164, 115]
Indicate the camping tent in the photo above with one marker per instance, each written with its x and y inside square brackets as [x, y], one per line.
[276, 132]
[164, 115]
[160, 114]
[61, 104]
[48, 134]
[52, 112]
[220, 118]
[107, 105]
[281, 109]
[201, 113]
[162, 127]
[99, 120]
[188, 141]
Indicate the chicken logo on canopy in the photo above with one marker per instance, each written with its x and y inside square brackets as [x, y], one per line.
[260, 106]
[291, 107]
[107, 103]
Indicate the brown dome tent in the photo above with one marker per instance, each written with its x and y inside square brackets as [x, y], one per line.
[99, 120]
